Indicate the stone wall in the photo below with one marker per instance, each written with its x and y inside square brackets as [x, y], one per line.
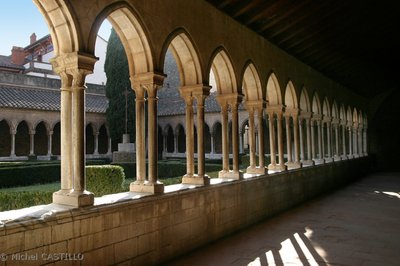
[154, 229]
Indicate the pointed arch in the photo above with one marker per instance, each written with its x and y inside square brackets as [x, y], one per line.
[316, 104]
[273, 95]
[349, 115]
[62, 25]
[132, 34]
[360, 118]
[335, 112]
[251, 83]
[355, 115]
[223, 70]
[290, 96]
[342, 113]
[305, 101]
[326, 109]
[183, 49]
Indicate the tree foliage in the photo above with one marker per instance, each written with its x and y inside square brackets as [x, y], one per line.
[117, 72]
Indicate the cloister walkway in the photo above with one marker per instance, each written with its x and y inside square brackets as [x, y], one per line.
[357, 225]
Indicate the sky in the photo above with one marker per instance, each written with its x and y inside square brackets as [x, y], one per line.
[20, 18]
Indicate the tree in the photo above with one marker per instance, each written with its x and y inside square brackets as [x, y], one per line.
[117, 72]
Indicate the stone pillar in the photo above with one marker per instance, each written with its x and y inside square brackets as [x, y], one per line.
[344, 151]
[282, 165]
[288, 140]
[175, 142]
[241, 136]
[272, 166]
[261, 140]
[212, 143]
[147, 83]
[360, 144]
[320, 151]
[328, 128]
[321, 135]
[13, 132]
[355, 141]
[200, 135]
[109, 151]
[350, 142]
[310, 150]
[189, 137]
[225, 145]
[96, 143]
[235, 139]
[49, 143]
[32, 142]
[297, 163]
[73, 69]
[365, 141]
[252, 141]
[302, 155]
[313, 141]
[165, 144]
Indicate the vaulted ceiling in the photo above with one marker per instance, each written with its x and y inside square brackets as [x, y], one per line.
[353, 42]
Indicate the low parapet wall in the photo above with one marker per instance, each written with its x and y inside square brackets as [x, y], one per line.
[152, 229]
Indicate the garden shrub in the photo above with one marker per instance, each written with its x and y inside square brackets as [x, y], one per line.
[29, 175]
[23, 199]
[104, 179]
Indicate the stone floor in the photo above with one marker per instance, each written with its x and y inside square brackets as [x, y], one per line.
[357, 225]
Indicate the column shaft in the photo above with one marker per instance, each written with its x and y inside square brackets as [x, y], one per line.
[32, 143]
[235, 137]
[296, 139]
[225, 144]
[320, 151]
[261, 138]
[252, 137]
[302, 156]
[152, 134]
[344, 140]
[78, 136]
[12, 152]
[189, 137]
[313, 141]
[280, 140]
[96, 143]
[288, 139]
[310, 152]
[140, 137]
[272, 138]
[49, 143]
[66, 136]
[328, 128]
[200, 136]
[337, 153]
[109, 150]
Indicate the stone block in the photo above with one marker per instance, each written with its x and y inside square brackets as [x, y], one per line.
[125, 250]
[37, 238]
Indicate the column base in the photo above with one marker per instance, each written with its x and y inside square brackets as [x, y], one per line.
[196, 180]
[344, 157]
[277, 167]
[256, 170]
[230, 174]
[73, 198]
[336, 158]
[356, 156]
[319, 161]
[328, 160]
[294, 165]
[308, 162]
[350, 156]
[147, 187]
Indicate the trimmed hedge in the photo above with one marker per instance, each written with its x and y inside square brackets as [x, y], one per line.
[166, 169]
[104, 179]
[16, 174]
[23, 199]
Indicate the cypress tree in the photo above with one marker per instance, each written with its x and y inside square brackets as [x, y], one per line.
[117, 72]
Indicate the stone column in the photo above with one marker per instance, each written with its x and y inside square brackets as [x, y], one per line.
[365, 141]
[96, 143]
[152, 134]
[320, 151]
[261, 140]
[140, 136]
[189, 137]
[297, 163]
[109, 151]
[282, 165]
[360, 144]
[321, 134]
[288, 140]
[302, 155]
[73, 69]
[165, 144]
[344, 150]
[49, 143]
[355, 141]
[272, 166]
[175, 142]
[235, 139]
[224, 137]
[252, 141]
[200, 135]
[350, 142]
[212, 143]
[310, 150]
[313, 141]
[241, 136]
[32, 142]
[13, 132]
[149, 83]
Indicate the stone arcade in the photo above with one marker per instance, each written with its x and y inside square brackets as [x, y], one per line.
[324, 123]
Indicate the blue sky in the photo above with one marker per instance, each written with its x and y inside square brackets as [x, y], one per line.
[19, 19]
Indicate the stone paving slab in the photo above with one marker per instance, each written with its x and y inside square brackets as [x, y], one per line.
[357, 225]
